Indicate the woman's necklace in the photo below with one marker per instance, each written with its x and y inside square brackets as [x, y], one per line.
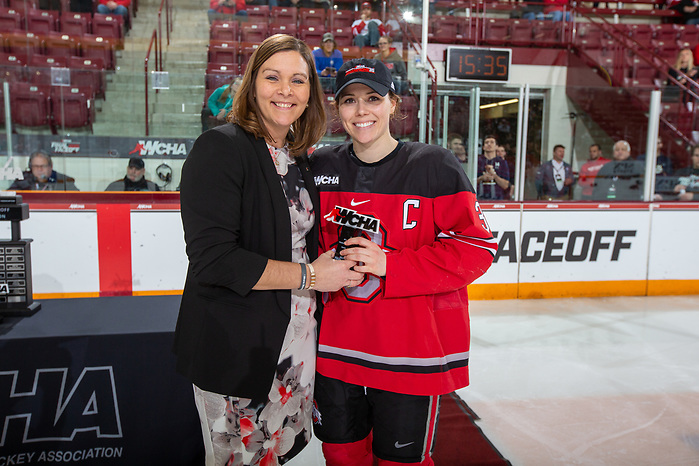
[281, 159]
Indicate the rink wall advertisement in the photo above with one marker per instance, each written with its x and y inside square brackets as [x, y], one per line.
[545, 250]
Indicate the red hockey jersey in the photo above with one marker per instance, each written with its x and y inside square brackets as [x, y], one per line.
[407, 332]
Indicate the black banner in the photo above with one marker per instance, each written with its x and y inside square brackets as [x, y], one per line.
[97, 146]
[96, 399]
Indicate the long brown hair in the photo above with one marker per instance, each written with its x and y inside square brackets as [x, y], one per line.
[310, 126]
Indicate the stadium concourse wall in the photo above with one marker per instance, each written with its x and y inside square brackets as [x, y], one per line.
[98, 245]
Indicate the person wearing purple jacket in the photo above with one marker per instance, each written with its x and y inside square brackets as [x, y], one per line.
[493, 180]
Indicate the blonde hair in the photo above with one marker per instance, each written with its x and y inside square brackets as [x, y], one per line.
[310, 126]
[678, 62]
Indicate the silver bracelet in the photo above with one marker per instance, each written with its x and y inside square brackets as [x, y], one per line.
[303, 277]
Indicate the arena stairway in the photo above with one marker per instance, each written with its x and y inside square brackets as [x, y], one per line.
[173, 112]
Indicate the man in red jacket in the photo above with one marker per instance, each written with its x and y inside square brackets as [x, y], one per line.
[114, 7]
[226, 7]
[367, 30]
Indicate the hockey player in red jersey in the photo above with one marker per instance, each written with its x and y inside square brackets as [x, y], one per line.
[391, 346]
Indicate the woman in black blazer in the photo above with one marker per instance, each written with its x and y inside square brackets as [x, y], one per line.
[245, 334]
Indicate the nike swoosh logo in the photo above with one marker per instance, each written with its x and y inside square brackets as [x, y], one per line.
[401, 445]
[355, 204]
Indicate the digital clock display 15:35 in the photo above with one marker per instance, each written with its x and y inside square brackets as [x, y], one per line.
[477, 64]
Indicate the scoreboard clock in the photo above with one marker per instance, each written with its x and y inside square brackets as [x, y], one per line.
[478, 64]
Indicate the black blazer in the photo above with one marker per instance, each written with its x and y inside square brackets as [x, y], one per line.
[235, 217]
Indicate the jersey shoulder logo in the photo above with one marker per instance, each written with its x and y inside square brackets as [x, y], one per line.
[327, 180]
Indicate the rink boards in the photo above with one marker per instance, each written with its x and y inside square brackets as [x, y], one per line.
[545, 250]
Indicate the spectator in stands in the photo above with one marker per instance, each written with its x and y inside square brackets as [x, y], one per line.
[689, 9]
[501, 152]
[455, 143]
[555, 10]
[621, 179]
[135, 179]
[684, 65]
[219, 104]
[494, 181]
[245, 334]
[533, 11]
[42, 177]
[554, 179]
[394, 62]
[367, 30]
[663, 163]
[328, 60]
[588, 171]
[687, 188]
[114, 7]
[222, 8]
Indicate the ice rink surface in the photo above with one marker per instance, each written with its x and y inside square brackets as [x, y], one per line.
[584, 381]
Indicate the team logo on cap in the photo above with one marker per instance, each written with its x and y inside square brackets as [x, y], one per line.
[360, 68]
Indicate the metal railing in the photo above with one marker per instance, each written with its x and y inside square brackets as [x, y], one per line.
[157, 40]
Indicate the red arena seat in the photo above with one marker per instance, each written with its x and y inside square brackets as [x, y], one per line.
[258, 13]
[72, 107]
[41, 21]
[312, 17]
[75, 24]
[224, 30]
[521, 32]
[23, 5]
[60, 45]
[283, 28]
[219, 74]
[341, 18]
[10, 19]
[312, 35]
[343, 36]
[29, 104]
[223, 52]
[97, 47]
[86, 72]
[12, 67]
[254, 32]
[283, 14]
[39, 68]
[111, 26]
[27, 43]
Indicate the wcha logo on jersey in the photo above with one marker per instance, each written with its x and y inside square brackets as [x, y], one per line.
[65, 146]
[156, 147]
[327, 180]
[344, 216]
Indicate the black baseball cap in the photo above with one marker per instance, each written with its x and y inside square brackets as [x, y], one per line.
[135, 162]
[365, 71]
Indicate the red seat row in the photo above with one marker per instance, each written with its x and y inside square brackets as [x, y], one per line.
[232, 31]
[55, 44]
[228, 59]
[300, 16]
[38, 69]
[52, 106]
[76, 24]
